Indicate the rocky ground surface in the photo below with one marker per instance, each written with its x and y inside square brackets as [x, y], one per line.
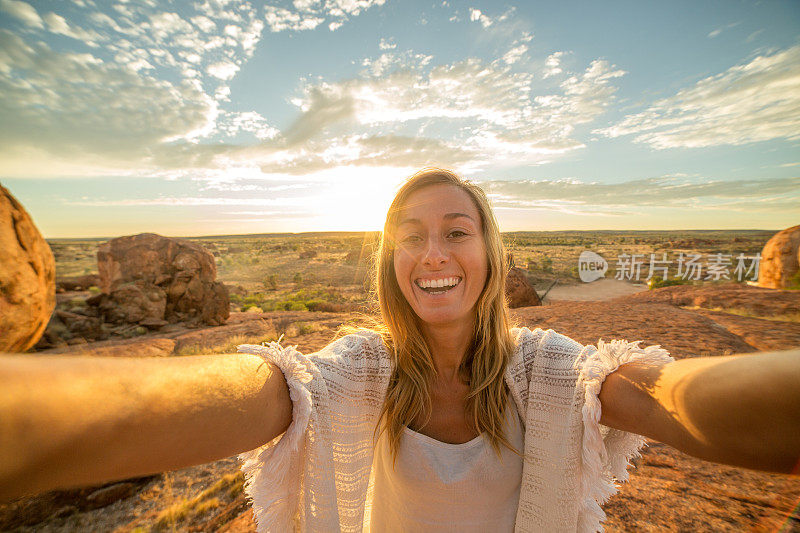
[668, 490]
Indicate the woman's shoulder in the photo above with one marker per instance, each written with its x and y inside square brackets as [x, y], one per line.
[359, 346]
[542, 338]
[546, 348]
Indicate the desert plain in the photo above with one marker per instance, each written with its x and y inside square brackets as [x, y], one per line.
[302, 287]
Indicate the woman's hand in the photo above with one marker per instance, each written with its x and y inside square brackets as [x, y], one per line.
[70, 421]
[742, 410]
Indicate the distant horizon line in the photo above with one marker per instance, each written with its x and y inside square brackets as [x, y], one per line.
[333, 233]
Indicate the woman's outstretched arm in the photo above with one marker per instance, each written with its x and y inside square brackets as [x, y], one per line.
[70, 421]
[741, 410]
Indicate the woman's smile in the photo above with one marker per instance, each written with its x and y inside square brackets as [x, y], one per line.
[438, 286]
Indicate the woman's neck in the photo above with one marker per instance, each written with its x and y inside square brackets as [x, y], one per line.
[448, 344]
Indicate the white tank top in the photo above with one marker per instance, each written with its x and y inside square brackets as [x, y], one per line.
[447, 487]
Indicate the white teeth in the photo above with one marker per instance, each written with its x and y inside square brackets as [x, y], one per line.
[438, 283]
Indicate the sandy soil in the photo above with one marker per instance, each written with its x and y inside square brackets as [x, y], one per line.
[602, 289]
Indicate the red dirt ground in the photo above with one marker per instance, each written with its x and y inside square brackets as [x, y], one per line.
[668, 491]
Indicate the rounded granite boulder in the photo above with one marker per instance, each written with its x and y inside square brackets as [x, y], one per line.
[780, 258]
[27, 277]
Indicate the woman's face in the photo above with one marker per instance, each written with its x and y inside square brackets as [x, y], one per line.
[440, 256]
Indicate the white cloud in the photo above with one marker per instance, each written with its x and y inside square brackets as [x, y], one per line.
[484, 112]
[58, 24]
[514, 55]
[223, 70]
[280, 19]
[664, 191]
[160, 81]
[205, 24]
[232, 123]
[475, 15]
[94, 109]
[755, 101]
[192, 201]
[23, 12]
[750, 38]
[553, 64]
[716, 32]
[308, 14]
[152, 82]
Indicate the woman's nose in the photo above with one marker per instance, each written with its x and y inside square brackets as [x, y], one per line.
[435, 253]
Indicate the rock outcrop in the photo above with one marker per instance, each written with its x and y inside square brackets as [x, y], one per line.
[519, 291]
[77, 283]
[148, 277]
[27, 277]
[779, 266]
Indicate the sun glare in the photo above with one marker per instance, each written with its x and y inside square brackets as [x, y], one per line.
[353, 198]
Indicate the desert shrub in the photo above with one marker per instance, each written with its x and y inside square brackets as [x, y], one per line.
[271, 282]
[205, 506]
[94, 289]
[200, 504]
[304, 328]
[574, 273]
[314, 305]
[254, 299]
[329, 307]
[656, 282]
[295, 306]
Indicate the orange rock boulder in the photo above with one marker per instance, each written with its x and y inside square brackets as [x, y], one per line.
[779, 266]
[148, 277]
[519, 291]
[27, 277]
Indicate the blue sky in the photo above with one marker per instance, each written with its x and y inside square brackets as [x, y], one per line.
[220, 117]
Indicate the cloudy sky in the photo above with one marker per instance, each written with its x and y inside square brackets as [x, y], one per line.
[227, 116]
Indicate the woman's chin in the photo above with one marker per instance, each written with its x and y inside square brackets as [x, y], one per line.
[445, 318]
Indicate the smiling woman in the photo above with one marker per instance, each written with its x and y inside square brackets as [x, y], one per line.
[444, 418]
[440, 418]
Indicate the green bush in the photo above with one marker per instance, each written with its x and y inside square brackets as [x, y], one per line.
[656, 282]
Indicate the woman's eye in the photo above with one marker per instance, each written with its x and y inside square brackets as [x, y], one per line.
[456, 233]
[410, 239]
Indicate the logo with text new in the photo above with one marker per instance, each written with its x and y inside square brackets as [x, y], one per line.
[591, 266]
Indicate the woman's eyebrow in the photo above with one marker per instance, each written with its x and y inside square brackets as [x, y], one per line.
[448, 216]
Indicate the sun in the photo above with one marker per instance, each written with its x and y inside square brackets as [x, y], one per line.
[354, 198]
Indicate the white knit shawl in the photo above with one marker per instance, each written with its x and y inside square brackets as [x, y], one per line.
[316, 476]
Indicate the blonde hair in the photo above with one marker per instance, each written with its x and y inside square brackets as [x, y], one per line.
[484, 364]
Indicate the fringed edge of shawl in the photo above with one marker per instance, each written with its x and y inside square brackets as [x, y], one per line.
[270, 471]
[604, 460]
